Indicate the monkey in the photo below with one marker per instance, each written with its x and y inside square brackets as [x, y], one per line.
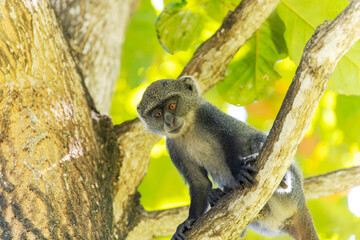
[203, 141]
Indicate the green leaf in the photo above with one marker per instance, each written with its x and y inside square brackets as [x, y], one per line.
[301, 18]
[140, 50]
[186, 24]
[140, 44]
[348, 114]
[251, 74]
[346, 77]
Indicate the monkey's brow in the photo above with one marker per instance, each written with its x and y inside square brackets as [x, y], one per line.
[163, 103]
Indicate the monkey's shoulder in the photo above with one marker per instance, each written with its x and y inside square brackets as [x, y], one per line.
[224, 126]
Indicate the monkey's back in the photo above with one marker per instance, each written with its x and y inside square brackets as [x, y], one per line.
[237, 139]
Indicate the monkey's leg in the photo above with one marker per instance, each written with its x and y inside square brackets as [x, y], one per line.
[301, 225]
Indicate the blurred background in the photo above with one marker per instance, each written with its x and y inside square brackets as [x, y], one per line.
[162, 37]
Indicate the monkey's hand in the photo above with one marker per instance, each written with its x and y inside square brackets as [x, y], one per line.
[246, 173]
[216, 194]
[182, 228]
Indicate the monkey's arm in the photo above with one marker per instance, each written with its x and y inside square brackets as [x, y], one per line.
[245, 175]
[243, 170]
[199, 185]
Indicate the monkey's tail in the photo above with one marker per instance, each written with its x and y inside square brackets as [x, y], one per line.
[302, 226]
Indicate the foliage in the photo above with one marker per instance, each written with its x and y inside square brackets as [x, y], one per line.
[258, 77]
[251, 73]
[301, 18]
[183, 25]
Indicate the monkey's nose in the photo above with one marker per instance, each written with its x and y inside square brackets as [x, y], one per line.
[169, 120]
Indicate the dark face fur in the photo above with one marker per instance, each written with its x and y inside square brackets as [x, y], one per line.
[168, 105]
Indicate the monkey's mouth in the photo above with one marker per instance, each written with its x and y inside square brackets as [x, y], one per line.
[176, 129]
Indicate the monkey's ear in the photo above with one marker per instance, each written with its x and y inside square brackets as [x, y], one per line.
[138, 109]
[189, 82]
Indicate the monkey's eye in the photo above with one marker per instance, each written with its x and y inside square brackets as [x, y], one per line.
[172, 106]
[158, 114]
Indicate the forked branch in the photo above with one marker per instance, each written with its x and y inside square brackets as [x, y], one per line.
[328, 44]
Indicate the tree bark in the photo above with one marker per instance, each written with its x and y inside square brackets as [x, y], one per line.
[57, 164]
[330, 183]
[95, 32]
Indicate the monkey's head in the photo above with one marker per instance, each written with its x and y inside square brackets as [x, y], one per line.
[167, 106]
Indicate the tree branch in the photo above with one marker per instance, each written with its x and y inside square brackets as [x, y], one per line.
[332, 182]
[321, 54]
[135, 144]
[164, 222]
[158, 223]
[235, 30]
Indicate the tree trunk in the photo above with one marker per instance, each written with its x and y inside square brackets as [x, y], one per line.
[58, 159]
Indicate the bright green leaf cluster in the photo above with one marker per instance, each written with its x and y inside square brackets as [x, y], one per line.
[251, 75]
[183, 25]
[301, 18]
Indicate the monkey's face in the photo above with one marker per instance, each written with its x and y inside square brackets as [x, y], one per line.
[168, 118]
[165, 118]
[167, 106]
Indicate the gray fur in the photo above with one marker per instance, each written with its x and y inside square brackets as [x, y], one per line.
[282, 205]
[203, 140]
